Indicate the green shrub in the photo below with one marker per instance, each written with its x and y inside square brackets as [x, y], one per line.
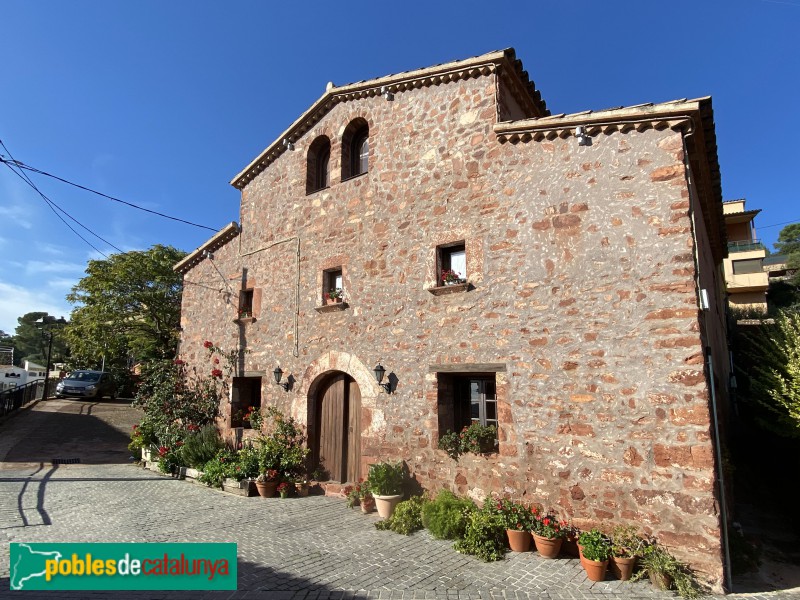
[218, 468]
[201, 446]
[485, 536]
[446, 517]
[407, 517]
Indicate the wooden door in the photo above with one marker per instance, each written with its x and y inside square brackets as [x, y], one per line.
[331, 431]
[339, 429]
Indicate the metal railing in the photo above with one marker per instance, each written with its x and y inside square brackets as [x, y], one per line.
[745, 246]
[15, 398]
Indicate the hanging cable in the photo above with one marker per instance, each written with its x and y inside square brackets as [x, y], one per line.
[22, 165]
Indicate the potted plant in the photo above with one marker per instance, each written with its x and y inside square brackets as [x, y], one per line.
[301, 486]
[284, 489]
[334, 296]
[569, 544]
[359, 494]
[517, 519]
[267, 483]
[548, 533]
[385, 482]
[450, 277]
[667, 572]
[626, 546]
[254, 417]
[595, 550]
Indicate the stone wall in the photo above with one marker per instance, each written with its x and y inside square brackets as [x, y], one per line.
[582, 291]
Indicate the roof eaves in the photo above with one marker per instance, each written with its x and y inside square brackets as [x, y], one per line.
[222, 237]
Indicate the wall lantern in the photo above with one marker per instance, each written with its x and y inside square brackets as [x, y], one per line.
[379, 373]
[278, 373]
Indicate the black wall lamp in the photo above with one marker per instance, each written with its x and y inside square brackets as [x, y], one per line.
[379, 373]
[278, 373]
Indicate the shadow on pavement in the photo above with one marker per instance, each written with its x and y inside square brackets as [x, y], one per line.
[79, 431]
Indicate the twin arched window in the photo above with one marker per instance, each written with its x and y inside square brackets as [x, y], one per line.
[355, 156]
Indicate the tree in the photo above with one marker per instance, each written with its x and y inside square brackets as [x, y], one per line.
[788, 244]
[31, 343]
[128, 305]
[773, 354]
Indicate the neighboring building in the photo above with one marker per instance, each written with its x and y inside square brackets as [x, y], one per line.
[12, 377]
[745, 275]
[586, 242]
[35, 372]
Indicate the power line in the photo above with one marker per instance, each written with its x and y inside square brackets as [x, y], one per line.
[777, 224]
[22, 165]
[52, 205]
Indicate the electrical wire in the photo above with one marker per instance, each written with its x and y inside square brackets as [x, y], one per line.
[53, 206]
[777, 224]
[22, 165]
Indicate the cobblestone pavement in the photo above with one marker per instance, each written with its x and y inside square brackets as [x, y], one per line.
[294, 548]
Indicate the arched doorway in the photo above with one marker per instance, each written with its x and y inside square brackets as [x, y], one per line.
[337, 435]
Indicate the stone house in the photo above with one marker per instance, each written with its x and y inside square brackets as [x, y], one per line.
[588, 324]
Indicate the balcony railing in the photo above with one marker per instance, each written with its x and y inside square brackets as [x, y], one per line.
[745, 246]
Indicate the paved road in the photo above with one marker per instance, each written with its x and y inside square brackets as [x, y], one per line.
[295, 548]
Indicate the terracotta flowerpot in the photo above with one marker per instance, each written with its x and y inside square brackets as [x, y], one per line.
[595, 569]
[547, 547]
[386, 504]
[329, 301]
[622, 568]
[661, 580]
[267, 489]
[580, 553]
[520, 541]
[367, 505]
[569, 546]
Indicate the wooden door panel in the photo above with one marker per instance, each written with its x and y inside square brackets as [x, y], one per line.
[331, 438]
[353, 432]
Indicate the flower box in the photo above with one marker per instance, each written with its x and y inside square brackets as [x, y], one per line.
[191, 473]
[246, 487]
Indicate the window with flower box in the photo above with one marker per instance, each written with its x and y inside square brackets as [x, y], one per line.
[452, 263]
[245, 304]
[245, 398]
[466, 398]
[332, 286]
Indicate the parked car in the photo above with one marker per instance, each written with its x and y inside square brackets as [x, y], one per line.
[86, 384]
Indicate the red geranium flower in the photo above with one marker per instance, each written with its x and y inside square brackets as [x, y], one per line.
[208, 344]
[178, 361]
[216, 361]
[216, 373]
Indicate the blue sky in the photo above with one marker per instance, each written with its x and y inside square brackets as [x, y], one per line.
[162, 103]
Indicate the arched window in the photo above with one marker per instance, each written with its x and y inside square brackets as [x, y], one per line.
[318, 165]
[355, 149]
[360, 154]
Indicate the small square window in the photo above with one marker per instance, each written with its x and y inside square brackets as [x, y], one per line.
[245, 304]
[332, 286]
[452, 263]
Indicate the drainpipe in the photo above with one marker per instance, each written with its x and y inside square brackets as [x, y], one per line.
[710, 365]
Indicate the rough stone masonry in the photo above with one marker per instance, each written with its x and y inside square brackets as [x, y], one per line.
[584, 265]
